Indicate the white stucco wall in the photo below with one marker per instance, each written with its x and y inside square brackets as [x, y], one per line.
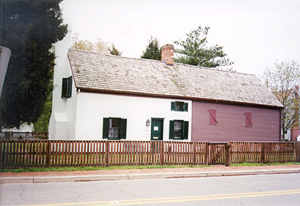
[81, 116]
[93, 107]
[63, 117]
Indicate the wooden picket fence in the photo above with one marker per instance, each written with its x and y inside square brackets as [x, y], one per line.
[59, 153]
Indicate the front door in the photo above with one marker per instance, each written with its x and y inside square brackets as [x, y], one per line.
[157, 126]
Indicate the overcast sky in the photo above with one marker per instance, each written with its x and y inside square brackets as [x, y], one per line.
[254, 33]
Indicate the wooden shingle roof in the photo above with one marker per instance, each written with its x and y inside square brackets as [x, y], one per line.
[110, 73]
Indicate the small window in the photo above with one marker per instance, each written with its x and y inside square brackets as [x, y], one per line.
[248, 119]
[66, 91]
[114, 128]
[179, 129]
[212, 116]
[179, 106]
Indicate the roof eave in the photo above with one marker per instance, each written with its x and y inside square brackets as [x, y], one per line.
[129, 93]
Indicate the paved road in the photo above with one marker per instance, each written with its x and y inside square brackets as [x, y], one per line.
[283, 189]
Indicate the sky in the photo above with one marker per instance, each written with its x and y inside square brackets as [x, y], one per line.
[254, 33]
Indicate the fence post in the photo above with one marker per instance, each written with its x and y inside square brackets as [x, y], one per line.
[206, 154]
[48, 154]
[1, 158]
[194, 153]
[297, 148]
[227, 153]
[262, 153]
[295, 152]
[107, 154]
[162, 153]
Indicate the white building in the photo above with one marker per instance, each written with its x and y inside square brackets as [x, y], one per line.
[82, 112]
[98, 96]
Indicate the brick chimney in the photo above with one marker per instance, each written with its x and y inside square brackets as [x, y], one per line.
[167, 54]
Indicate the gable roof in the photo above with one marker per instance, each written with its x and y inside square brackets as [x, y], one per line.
[108, 73]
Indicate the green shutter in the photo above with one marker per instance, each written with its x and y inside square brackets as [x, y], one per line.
[185, 107]
[69, 87]
[173, 106]
[105, 128]
[171, 133]
[123, 128]
[64, 88]
[185, 130]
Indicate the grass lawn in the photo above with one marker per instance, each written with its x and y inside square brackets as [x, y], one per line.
[264, 164]
[60, 169]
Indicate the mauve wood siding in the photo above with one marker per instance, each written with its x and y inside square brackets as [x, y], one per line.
[231, 123]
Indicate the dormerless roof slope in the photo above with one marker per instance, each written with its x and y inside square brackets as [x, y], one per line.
[108, 73]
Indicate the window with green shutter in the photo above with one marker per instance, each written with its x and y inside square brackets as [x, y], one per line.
[179, 106]
[185, 130]
[185, 107]
[179, 129]
[171, 135]
[114, 128]
[66, 91]
[105, 128]
[123, 128]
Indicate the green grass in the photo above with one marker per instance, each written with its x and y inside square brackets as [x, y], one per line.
[61, 169]
[264, 164]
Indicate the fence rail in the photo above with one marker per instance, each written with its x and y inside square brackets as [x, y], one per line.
[58, 153]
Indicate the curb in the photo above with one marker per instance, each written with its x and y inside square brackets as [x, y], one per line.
[86, 178]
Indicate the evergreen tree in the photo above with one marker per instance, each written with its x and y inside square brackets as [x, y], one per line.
[42, 124]
[195, 51]
[153, 50]
[114, 51]
[29, 29]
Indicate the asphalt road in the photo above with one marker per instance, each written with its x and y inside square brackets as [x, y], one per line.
[283, 189]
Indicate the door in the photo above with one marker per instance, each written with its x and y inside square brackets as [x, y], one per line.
[157, 129]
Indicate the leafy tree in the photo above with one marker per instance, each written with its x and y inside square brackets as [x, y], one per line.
[153, 50]
[195, 51]
[282, 79]
[114, 51]
[29, 29]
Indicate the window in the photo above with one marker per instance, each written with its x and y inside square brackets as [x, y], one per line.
[212, 116]
[179, 129]
[66, 91]
[248, 119]
[179, 106]
[114, 128]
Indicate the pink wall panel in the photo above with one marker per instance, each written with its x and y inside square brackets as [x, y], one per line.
[231, 123]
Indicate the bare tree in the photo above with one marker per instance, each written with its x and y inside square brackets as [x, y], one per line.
[284, 80]
[99, 46]
[82, 44]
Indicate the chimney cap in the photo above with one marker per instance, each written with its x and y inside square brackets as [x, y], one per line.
[167, 46]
